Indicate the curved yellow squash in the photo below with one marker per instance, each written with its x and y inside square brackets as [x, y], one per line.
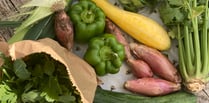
[141, 28]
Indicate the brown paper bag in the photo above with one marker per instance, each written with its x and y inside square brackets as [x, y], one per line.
[80, 73]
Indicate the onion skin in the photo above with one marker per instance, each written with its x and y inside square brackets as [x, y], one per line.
[151, 86]
[140, 68]
[160, 64]
[64, 29]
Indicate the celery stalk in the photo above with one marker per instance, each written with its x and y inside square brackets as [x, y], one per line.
[205, 44]
[193, 42]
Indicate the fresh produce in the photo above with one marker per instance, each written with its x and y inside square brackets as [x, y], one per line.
[188, 21]
[88, 20]
[158, 62]
[132, 5]
[41, 11]
[152, 86]
[105, 54]
[106, 96]
[138, 67]
[63, 27]
[36, 78]
[112, 28]
[141, 28]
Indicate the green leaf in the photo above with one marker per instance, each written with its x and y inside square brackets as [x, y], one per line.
[176, 2]
[31, 96]
[37, 70]
[41, 30]
[52, 90]
[40, 3]
[49, 67]
[196, 11]
[6, 95]
[66, 98]
[20, 69]
[171, 15]
[18, 35]
[38, 14]
[11, 24]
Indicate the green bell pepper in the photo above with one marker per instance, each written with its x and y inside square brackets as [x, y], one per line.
[88, 20]
[105, 54]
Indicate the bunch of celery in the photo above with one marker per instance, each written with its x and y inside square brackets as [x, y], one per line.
[189, 19]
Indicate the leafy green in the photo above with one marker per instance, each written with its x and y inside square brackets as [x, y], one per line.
[7, 95]
[132, 5]
[171, 15]
[175, 2]
[30, 96]
[20, 69]
[36, 78]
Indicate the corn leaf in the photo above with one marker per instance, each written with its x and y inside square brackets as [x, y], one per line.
[18, 35]
[38, 14]
[40, 3]
[42, 29]
[11, 24]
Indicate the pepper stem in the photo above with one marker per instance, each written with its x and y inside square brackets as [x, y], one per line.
[87, 16]
[106, 53]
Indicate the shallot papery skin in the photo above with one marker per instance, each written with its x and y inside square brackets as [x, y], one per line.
[159, 63]
[151, 86]
[140, 68]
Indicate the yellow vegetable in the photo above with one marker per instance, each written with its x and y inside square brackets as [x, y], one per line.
[141, 28]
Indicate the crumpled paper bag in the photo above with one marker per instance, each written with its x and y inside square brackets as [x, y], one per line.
[80, 73]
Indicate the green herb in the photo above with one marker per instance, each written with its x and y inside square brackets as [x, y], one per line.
[36, 78]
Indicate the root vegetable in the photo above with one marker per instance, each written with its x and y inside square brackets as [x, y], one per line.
[159, 63]
[63, 27]
[151, 86]
[140, 68]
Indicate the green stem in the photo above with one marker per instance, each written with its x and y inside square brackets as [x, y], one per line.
[191, 47]
[188, 50]
[205, 68]
[5, 72]
[197, 61]
[87, 16]
[182, 66]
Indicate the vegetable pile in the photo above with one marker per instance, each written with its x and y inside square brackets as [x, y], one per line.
[36, 78]
[102, 26]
